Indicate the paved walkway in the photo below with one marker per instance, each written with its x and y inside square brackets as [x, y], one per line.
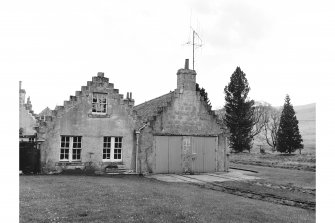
[232, 175]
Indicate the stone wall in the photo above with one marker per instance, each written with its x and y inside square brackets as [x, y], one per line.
[27, 121]
[188, 115]
[75, 118]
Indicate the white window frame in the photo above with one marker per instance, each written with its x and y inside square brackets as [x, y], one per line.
[60, 151]
[78, 142]
[112, 149]
[99, 96]
[71, 148]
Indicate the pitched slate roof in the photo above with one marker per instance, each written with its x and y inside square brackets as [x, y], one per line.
[45, 112]
[151, 108]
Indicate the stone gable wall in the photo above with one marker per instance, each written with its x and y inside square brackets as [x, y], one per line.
[187, 115]
[27, 121]
[75, 118]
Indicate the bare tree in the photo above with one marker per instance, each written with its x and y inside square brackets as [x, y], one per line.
[260, 118]
[271, 127]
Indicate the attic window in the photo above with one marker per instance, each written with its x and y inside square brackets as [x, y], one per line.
[99, 103]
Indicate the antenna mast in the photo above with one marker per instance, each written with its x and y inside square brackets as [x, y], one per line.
[194, 44]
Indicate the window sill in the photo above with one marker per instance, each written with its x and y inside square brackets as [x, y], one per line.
[112, 161]
[98, 115]
[68, 163]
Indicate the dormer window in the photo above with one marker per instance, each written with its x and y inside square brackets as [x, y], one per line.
[99, 103]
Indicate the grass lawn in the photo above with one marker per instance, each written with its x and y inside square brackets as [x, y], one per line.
[297, 178]
[137, 199]
[294, 161]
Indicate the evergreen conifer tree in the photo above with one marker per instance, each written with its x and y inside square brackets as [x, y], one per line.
[288, 138]
[239, 112]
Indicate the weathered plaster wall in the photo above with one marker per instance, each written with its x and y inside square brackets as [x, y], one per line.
[221, 153]
[27, 121]
[76, 119]
[146, 150]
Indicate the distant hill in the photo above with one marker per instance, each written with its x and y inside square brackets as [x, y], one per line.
[306, 115]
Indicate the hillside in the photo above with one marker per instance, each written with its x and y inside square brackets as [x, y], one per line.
[306, 115]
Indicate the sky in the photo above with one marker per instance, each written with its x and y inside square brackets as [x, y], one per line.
[55, 47]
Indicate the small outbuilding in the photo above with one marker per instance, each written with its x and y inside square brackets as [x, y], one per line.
[180, 133]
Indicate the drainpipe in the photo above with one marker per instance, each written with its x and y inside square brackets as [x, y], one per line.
[138, 132]
[137, 141]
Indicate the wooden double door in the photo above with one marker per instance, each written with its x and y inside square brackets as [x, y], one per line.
[171, 153]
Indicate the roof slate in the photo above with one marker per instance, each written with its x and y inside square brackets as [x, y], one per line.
[46, 112]
[151, 108]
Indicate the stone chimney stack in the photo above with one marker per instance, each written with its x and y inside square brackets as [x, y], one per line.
[186, 64]
[186, 78]
[22, 94]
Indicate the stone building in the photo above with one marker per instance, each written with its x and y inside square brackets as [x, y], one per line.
[99, 129]
[93, 129]
[180, 132]
[27, 117]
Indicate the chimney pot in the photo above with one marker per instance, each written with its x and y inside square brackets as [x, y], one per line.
[100, 74]
[186, 64]
[127, 95]
[131, 96]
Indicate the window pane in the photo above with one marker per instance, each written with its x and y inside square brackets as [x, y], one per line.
[99, 103]
[76, 154]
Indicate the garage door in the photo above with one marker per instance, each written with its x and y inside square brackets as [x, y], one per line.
[204, 149]
[169, 153]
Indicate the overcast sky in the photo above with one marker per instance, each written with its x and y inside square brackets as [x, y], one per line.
[55, 47]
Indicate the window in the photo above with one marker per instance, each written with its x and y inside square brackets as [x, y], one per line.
[70, 148]
[31, 139]
[64, 148]
[117, 148]
[112, 145]
[99, 103]
[76, 148]
[106, 153]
